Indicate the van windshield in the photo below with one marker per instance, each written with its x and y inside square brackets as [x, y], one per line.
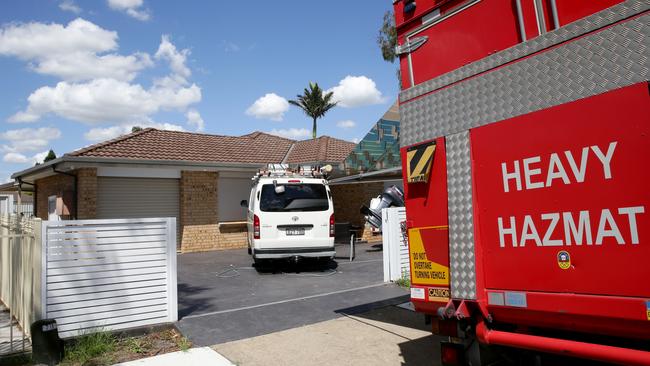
[296, 197]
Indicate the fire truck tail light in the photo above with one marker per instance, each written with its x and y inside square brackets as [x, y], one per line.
[451, 354]
[256, 227]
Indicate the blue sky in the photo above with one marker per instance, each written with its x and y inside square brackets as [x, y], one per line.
[75, 72]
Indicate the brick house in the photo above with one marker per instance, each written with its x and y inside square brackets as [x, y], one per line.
[197, 178]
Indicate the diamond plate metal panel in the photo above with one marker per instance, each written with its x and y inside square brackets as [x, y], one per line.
[576, 29]
[462, 268]
[591, 65]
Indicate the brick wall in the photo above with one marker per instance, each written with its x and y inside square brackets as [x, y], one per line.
[56, 185]
[199, 217]
[62, 185]
[86, 193]
[348, 199]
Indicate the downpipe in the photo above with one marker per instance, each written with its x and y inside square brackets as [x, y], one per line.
[617, 355]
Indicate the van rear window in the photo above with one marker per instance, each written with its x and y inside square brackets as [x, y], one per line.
[296, 197]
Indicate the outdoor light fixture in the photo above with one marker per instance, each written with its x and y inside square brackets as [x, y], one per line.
[409, 6]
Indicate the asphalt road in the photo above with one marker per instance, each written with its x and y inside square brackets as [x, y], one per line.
[223, 298]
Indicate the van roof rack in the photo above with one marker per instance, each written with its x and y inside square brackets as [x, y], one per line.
[295, 171]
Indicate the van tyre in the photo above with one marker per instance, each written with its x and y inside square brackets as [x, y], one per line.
[261, 264]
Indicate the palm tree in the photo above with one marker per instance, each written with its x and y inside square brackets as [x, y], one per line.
[314, 103]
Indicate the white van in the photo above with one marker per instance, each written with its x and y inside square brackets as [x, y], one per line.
[290, 215]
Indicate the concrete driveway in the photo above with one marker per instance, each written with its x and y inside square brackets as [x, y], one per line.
[222, 298]
[385, 336]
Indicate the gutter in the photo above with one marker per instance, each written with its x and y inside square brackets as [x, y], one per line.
[125, 161]
[361, 176]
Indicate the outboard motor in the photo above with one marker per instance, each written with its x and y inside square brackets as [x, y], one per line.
[392, 197]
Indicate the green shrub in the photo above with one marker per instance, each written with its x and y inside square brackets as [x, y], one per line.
[405, 281]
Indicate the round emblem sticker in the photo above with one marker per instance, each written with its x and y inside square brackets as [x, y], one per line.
[564, 259]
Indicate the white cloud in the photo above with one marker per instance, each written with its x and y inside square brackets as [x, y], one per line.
[103, 134]
[105, 100]
[229, 47]
[131, 7]
[167, 51]
[292, 133]
[36, 40]
[69, 5]
[74, 52]
[28, 139]
[96, 85]
[194, 119]
[356, 91]
[356, 140]
[17, 158]
[85, 66]
[346, 124]
[270, 106]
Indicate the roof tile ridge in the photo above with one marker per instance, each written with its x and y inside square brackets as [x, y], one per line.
[112, 141]
[258, 133]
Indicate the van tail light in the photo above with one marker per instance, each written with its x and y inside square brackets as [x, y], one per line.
[332, 226]
[256, 227]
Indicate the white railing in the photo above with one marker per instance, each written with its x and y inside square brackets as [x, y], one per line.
[395, 244]
[25, 209]
[109, 274]
[20, 276]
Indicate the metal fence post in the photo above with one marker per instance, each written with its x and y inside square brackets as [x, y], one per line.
[11, 293]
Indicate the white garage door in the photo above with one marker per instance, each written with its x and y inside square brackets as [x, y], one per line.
[123, 198]
[231, 192]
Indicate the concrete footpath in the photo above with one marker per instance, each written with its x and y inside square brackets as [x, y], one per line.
[386, 336]
[192, 357]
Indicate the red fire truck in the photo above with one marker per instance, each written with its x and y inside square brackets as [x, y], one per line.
[525, 133]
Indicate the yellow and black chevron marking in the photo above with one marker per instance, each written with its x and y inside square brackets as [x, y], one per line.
[419, 160]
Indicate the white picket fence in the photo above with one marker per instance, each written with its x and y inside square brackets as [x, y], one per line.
[109, 274]
[395, 244]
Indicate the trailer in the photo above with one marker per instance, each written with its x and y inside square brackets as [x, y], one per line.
[525, 141]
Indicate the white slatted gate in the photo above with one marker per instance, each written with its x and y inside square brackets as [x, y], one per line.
[109, 274]
[395, 244]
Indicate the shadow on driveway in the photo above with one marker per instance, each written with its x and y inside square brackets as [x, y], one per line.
[222, 297]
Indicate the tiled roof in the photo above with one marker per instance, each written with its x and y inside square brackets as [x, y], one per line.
[322, 149]
[256, 147]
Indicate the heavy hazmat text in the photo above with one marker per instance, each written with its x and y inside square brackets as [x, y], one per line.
[565, 228]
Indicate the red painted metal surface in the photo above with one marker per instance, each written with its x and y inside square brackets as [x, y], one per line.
[605, 315]
[601, 287]
[571, 10]
[566, 156]
[403, 19]
[427, 202]
[427, 217]
[622, 356]
[461, 39]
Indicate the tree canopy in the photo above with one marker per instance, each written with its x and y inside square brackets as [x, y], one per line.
[50, 156]
[314, 103]
[387, 38]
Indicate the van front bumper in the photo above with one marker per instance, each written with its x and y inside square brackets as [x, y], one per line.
[294, 252]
